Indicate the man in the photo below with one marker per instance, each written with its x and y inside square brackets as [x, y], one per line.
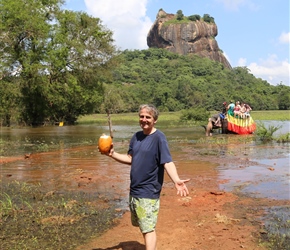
[148, 156]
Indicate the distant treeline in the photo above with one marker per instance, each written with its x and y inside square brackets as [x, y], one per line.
[174, 82]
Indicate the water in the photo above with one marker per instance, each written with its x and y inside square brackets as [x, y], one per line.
[264, 178]
[266, 171]
[75, 162]
[284, 126]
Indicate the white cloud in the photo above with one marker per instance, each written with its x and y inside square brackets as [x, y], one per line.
[272, 70]
[227, 57]
[242, 62]
[127, 19]
[284, 37]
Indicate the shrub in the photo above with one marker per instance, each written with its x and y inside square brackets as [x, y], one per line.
[207, 18]
[179, 15]
[197, 114]
[194, 17]
[266, 134]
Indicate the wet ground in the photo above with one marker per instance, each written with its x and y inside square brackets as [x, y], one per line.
[234, 182]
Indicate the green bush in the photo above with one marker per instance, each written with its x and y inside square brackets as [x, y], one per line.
[207, 18]
[194, 17]
[180, 15]
[266, 134]
[196, 114]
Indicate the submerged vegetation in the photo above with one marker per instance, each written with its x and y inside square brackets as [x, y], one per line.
[266, 134]
[278, 228]
[33, 219]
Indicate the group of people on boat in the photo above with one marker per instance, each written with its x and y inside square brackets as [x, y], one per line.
[234, 109]
[239, 110]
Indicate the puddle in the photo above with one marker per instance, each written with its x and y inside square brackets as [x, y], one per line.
[267, 178]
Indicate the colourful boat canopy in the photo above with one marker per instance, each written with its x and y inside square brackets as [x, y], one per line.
[241, 126]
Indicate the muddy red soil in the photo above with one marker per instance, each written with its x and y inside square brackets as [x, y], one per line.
[207, 219]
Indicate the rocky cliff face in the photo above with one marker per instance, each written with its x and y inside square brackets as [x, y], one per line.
[196, 37]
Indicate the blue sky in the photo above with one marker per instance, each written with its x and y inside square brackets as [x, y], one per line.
[251, 33]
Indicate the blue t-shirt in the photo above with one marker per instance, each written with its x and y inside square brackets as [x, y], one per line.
[149, 154]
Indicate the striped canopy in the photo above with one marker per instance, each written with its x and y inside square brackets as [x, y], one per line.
[241, 126]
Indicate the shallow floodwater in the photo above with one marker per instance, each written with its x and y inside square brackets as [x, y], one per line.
[76, 162]
[264, 178]
[266, 171]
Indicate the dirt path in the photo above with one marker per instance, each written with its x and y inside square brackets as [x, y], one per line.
[207, 219]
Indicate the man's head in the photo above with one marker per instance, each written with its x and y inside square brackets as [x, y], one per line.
[148, 116]
[151, 110]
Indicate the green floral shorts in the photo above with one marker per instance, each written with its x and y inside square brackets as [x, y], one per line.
[144, 213]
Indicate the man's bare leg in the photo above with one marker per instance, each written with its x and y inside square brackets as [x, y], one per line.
[150, 240]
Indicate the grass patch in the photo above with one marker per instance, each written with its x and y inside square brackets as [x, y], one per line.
[175, 117]
[271, 115]
[283, 138]
[33, 219]
[176, 21]
[165, 119]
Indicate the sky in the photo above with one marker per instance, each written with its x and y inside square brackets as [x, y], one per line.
[251, 33]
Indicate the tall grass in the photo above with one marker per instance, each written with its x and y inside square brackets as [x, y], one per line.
[266, 134]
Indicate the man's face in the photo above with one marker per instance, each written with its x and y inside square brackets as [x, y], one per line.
[146, 120]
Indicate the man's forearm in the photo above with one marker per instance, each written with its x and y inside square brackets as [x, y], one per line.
[172, 171]
[122, 158]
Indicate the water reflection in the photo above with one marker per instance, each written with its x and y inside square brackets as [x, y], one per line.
[268, 178]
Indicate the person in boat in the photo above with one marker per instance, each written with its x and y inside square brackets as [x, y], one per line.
[224, 109]
[237, 110]
[243, 111]
[248, 110]
[230, 108]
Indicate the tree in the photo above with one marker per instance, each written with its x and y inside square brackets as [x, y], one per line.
[194, 17]
[9, 93]
[180, 15]
[207, 18]
[87, 55]
[284, 99]
[60, 57]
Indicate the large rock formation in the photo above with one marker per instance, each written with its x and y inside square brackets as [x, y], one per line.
[196, 37]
